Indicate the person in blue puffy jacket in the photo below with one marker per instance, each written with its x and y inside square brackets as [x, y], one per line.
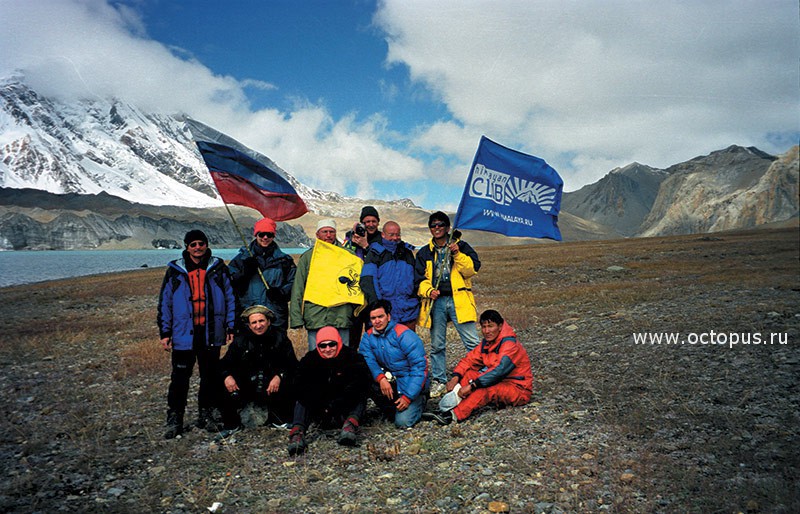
[396, 359]
[196, 311]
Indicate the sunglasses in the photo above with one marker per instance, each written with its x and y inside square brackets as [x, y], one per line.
[329, 344]
[196, 244]
[437, 224]
[266, 235]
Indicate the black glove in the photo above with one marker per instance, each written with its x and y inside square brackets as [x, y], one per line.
[250, 266]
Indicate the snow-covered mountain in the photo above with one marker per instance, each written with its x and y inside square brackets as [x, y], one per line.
[101, 145]
[98, 145]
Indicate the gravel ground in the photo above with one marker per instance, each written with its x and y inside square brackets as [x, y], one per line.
[612, 426]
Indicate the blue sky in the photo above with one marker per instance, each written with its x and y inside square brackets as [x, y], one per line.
[389, 99]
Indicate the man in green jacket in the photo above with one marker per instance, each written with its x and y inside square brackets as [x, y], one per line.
[308, 314]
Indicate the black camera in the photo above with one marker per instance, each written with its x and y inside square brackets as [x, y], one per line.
[361, 229]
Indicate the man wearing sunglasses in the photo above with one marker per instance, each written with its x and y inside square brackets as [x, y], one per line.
[443, 273]
[277, 269]
[196, 312]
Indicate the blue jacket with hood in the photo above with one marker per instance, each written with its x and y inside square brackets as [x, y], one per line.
[399, 350]
[175, 304]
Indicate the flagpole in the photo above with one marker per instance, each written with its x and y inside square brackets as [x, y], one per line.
[246, 245]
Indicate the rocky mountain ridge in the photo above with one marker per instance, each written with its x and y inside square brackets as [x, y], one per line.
[82, 151]
[733, 188]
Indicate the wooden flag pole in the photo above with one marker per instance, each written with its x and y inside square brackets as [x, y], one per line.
[246, 245]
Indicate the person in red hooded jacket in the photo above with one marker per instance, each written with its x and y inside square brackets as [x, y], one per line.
[497, 371]
[332, 382]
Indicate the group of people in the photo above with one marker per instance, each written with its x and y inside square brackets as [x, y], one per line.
[354, 354]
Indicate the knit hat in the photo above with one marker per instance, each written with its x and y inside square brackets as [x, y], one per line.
[368, 210]
[326, 223]
[264, 225]
[329, 334]
[258, 309]
[439, 216]
[194, 235]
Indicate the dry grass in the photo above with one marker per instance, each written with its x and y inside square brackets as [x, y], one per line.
[87, 376]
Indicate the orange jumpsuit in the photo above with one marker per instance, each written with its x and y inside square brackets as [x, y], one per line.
[501, 372]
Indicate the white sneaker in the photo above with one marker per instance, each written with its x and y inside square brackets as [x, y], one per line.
[438, 389]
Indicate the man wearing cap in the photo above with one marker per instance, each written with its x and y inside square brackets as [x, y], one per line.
[258, 369]
[331, 387]
[358, 240]
[196, 311]
[277, 269]
[443, 273]
[308, 314]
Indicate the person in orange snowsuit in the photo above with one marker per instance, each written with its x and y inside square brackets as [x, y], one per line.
[496, 371]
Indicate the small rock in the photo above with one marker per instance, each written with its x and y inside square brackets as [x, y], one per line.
[498, 507]
[115, 491]
[587, 456]
[274, 503]
[615, 268]
[571, 328]
[627, 477]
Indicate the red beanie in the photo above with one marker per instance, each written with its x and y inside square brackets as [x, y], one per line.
[264, 225]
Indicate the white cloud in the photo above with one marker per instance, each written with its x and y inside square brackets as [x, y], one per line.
[613, 81]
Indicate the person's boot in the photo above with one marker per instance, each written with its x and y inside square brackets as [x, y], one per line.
[348, 437]
[205, 419]
[174, 425]
[297, 442]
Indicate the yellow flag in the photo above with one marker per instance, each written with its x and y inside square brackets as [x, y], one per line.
[333, 276]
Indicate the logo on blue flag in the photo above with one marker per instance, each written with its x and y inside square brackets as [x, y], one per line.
[510, 193]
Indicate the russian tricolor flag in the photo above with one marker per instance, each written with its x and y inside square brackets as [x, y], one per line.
[246, 177]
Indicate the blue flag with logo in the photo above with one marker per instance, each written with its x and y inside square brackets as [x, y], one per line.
[510, 193]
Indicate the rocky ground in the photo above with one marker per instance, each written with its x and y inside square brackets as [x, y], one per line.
[613, 426]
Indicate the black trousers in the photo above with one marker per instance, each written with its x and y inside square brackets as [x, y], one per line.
[207, 358]
[327, 419]
[279, 404]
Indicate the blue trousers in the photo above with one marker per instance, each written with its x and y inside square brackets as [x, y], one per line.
[444, 310]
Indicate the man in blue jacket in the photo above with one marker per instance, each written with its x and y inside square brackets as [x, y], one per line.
[396, 359]
[388, 274]
[196, 311]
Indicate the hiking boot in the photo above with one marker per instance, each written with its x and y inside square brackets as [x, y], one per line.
[297, 442]
[205, 419]
[444, 418]
[438, 389]
[174, 425]
[347, 437]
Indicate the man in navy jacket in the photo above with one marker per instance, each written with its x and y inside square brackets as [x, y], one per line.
[196, 312]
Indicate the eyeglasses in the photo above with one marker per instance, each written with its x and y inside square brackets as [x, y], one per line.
[329, 344]
[195, 244]
[437, 224]
[266, 235]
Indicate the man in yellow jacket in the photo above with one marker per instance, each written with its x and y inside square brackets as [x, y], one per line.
[443, 272]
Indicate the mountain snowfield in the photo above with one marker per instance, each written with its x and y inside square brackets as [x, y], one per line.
[98, 145]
